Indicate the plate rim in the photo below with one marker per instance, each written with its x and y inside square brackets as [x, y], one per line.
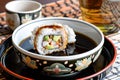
[83, 78]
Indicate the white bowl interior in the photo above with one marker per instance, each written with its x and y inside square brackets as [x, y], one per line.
[23, 6]
[25, 30]
[78, 26]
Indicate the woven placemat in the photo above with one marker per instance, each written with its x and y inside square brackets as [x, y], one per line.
[62, 8]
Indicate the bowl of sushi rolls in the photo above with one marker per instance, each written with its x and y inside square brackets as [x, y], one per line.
[57, 46]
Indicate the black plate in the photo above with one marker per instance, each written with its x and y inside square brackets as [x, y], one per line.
[14, 69]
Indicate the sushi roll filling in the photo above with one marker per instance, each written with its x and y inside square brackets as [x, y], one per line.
[52, 42]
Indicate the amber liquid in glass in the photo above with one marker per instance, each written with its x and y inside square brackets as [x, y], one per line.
[98, 12]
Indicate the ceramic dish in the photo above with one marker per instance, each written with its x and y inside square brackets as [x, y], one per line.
[14, 69]
[87, 35]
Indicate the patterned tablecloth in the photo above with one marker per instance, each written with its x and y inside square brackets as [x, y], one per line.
[66, 8]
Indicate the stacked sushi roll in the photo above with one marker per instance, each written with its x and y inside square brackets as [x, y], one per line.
[52, 38]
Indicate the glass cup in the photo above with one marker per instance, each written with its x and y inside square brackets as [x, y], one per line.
[101, 13]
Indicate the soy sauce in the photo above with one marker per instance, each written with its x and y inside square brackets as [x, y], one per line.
[82, 44]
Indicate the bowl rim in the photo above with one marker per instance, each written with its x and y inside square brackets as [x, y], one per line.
[58, 58]
[7, 6]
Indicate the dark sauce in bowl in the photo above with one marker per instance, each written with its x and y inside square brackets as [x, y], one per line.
[82, 44]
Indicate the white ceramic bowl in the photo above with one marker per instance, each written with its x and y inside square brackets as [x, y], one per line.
[58, 65]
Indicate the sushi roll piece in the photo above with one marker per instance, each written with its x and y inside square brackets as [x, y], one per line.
[71, 34]
[52, 38]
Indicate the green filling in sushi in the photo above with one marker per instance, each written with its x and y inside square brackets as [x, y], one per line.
[52, 41]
